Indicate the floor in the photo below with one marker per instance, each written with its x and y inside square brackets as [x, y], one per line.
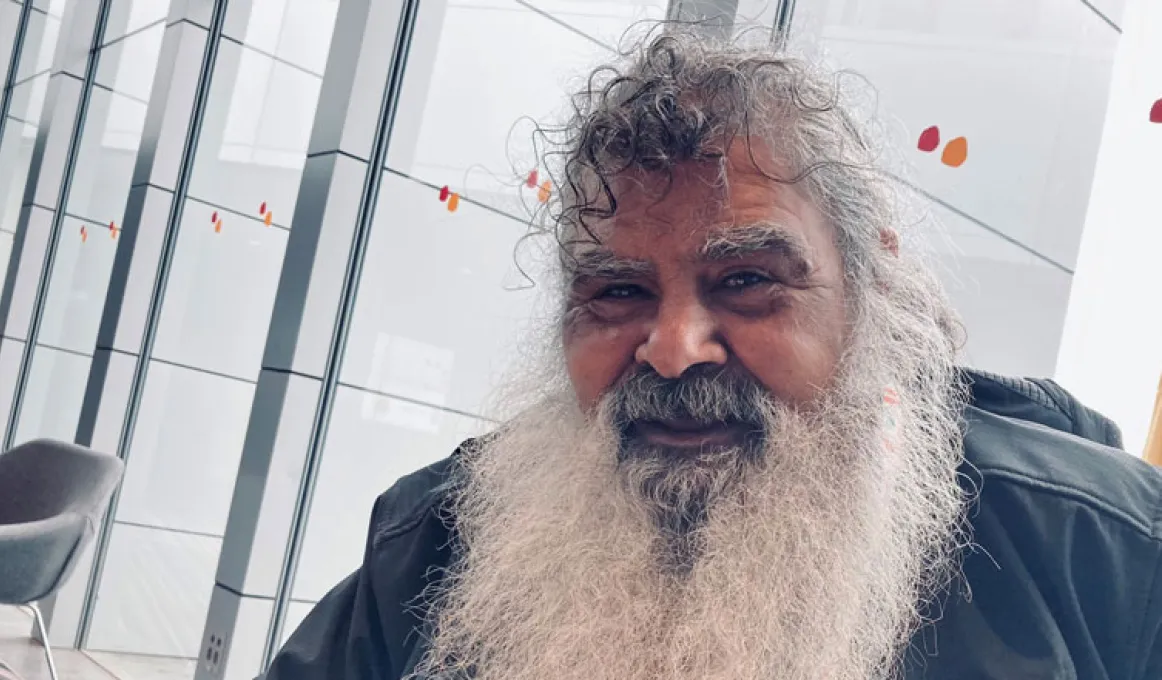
[26, 657]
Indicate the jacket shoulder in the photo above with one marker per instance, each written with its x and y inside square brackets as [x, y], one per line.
[405, 505]
[1041, 459]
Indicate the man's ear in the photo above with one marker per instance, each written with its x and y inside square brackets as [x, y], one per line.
[890, 240]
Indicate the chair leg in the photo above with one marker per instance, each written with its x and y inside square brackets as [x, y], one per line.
[36, 614]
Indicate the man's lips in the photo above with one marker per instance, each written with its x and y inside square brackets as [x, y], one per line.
[686, 433]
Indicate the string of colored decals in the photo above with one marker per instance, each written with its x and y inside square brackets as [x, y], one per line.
[544, 191]
[955, 151]
[113, 231]
[267, 218]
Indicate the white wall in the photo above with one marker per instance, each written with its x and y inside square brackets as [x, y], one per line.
[1111, 349]
[1026, 83]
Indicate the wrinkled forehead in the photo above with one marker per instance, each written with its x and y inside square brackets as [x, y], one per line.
[709, 190]
[698, 202]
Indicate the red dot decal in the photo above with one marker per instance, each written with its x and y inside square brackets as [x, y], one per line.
[929, 139]
[214, 217]
[1156, 112]
[532, 179]
[262, 208]
[444, 191]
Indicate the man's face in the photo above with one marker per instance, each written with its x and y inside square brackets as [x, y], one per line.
[743, 278]
[718, 501]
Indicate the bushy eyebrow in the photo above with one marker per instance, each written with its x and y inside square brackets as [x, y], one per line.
[602, 263]
[758, 239]
[730, 244]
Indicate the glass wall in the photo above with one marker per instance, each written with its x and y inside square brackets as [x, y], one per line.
[24, 97]
[1024, 85]
[440, 307]
[183, 456]
[102, 173]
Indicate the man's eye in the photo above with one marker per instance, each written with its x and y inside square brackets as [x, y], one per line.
[743, 280]
[623, 291]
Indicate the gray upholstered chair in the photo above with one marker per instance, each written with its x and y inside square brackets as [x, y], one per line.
[52, 495]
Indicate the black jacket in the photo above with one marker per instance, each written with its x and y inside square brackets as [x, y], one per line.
[1065, 578]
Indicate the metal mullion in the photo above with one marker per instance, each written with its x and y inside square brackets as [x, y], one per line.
[783, 18]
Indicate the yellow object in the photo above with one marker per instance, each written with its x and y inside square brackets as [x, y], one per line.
[1153, 452]
[955, 152]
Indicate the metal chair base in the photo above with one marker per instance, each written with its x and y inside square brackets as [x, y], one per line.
[39, 617]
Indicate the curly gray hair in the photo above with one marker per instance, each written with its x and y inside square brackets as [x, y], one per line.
[680, 97]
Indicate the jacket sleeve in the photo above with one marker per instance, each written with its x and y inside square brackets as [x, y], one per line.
[341, 638]
[1151, 644]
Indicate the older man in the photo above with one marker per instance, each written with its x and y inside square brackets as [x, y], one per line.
[747, 451]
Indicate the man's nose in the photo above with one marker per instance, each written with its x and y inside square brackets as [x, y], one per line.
[683, 335]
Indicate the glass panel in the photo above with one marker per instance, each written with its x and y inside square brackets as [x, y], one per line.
[463, 119]
[1024, 83]
[186, 447]
[52, 402]
[422, 258]
[130, 16]
[1002, 292]
[155, 591]
[20, 130]
[87, 243]
[292, 32]
[1113, 10]
[247, 167]
[27, 93]
[372, 441]
[172, 514]
[607, 21]
[9, 22]
[44, 27]
[195, 408]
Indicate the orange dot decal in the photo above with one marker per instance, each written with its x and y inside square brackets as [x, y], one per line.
[453, 202]
[113, 230]
[1156, 112]
[268, 219]
[543, 192]
[929, 139]
[84, 234]
[955, 152]
[218, 227]
[532, 179]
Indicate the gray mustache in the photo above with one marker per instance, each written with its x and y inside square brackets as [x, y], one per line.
[701, 395]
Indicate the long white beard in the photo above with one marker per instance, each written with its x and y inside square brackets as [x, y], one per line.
[813, 564]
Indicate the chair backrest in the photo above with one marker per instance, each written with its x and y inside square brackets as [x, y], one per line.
[45, 478]
[51, 496]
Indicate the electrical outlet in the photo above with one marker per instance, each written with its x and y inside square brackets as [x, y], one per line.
[212, 657]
